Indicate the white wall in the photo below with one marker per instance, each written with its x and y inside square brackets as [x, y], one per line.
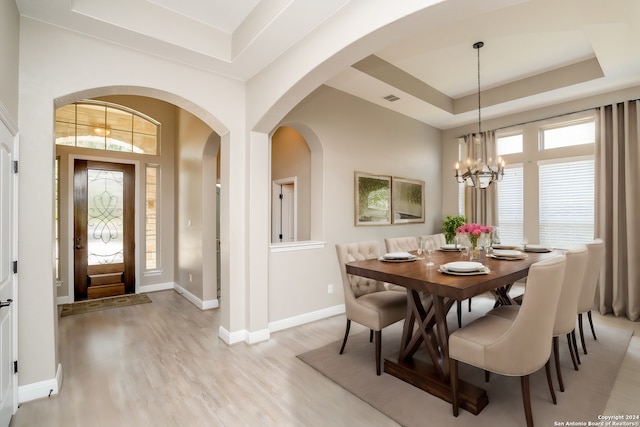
[355, 136]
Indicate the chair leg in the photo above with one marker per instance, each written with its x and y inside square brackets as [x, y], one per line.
[370, 335]
[526, 399]
[556, 356]
[584, 346]
[346, 335]
[469, 305]
[453, 377]
[547, 368]
[378, 335]
[575, 346]
[459, 307]
[573, 356]
[487, 376]
[593, 331]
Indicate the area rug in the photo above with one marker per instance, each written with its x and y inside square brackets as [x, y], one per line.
[585, 397]
[103, 303]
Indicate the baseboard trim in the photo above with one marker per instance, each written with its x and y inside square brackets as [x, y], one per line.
[202, 305]
[41, 389]
[301, 319]
[142, 289]
[243, 335]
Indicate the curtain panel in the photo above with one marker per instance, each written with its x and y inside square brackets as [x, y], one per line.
[617, 208]
[481, 204]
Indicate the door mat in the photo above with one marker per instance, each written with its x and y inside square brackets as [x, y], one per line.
[103, 303]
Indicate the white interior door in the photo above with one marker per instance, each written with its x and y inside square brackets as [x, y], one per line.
[7, 376]
[283, 212]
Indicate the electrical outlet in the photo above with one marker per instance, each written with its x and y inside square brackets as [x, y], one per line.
[330, 289]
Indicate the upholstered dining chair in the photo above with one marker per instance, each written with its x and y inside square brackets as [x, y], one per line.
[565, 319]
[367, 301]
[591, 275]
[401, 244]
[440, 241]
[517, 347]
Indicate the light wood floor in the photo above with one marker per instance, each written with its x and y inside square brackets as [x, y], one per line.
[161, 364]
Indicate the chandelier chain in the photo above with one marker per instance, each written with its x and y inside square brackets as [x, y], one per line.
[478, 46]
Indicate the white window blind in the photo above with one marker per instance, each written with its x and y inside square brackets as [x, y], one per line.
[566, 200]
[510, 205]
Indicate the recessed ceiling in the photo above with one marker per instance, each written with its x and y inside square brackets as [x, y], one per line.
[536, 53]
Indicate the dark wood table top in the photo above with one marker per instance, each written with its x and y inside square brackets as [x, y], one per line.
[416, 275]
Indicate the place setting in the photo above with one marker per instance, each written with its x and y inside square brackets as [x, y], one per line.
[507, 254]
[398, 257]
[464, 268]
[526, 247]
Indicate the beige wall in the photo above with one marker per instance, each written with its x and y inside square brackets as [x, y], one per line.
[165, 113]
[192, 191]
[9, 47]
[355, 136]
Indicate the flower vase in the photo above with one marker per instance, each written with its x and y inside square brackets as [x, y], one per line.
[474, 253]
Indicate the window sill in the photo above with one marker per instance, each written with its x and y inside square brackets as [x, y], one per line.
[296, 246]
[151, 273]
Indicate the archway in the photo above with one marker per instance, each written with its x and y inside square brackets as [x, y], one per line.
[208, 148]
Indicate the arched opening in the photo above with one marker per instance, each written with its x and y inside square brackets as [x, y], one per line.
[183, 174]
[296, 158]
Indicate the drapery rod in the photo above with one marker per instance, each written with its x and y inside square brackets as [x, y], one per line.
[553, 117]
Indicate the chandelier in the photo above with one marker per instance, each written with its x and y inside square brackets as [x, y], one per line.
[480, 173]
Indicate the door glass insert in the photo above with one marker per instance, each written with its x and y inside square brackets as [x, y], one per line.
[105, 237]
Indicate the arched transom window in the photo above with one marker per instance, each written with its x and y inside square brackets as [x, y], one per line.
[106, 126]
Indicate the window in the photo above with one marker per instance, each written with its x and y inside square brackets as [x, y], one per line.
[568, 136]
[105, 126]
[510, 144]
[547, 194]
[151, 217]
[510, 204]
[566, 191]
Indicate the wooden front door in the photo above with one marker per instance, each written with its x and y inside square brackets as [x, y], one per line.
[104, 263]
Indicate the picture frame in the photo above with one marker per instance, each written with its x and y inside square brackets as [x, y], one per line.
[407, 200]
[372, 199]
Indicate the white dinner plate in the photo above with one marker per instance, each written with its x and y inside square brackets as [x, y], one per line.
[450, 247]
[398, 256]
[504, 253]
[536, 248]
[463, 266]
[499, 246]
[413, 258]
[508, 258]
[484, 270]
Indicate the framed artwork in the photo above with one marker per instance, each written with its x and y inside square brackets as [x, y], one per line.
[372, 199]
[407, 200]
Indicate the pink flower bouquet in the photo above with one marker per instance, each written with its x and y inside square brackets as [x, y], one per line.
[473, 232]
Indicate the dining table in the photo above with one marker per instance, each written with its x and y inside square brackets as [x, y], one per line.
[430, 295]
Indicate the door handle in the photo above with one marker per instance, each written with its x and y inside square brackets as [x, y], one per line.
[6, 303]
[78, 247]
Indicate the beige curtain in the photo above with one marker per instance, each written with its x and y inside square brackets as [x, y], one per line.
[480, 205]
[618, 207]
